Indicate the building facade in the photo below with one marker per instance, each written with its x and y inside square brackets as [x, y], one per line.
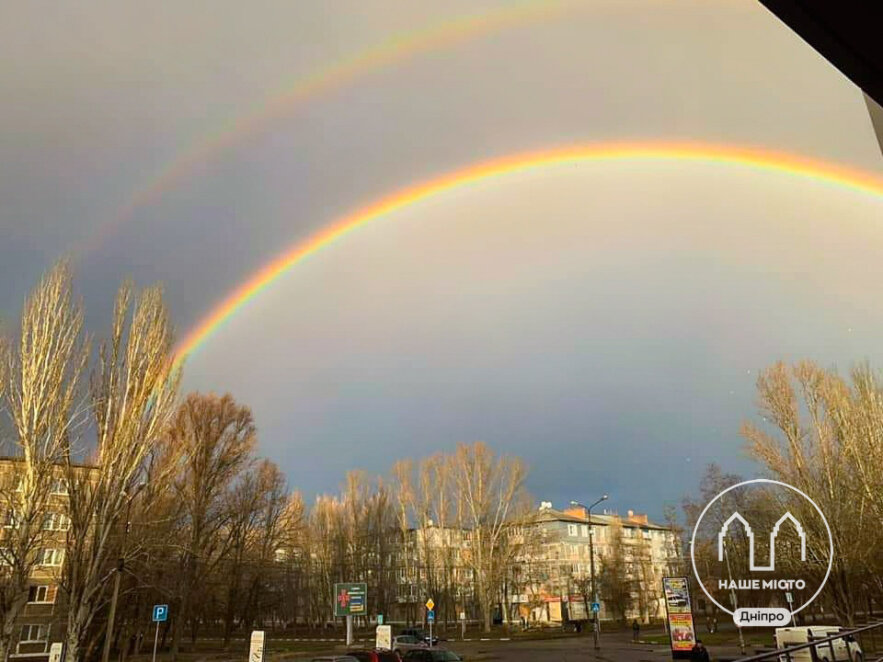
[555, 578]
[550, 580]
[42, 618]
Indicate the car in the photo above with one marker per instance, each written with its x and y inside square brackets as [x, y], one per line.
[843, 649]
[422, 635]
[406, 642]
[432, 655]
[376, 655]
[335, 658]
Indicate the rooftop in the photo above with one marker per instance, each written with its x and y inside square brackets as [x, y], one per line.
[577, 514]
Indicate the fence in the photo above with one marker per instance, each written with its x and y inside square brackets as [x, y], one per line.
[869, 639]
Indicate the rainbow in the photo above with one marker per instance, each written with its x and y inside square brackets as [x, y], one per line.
[395, 49]
[758, 159]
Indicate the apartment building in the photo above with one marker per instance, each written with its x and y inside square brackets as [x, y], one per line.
[550, 580]
[42, 620]
[555, 572]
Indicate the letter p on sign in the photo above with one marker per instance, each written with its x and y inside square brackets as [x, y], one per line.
[160, 613]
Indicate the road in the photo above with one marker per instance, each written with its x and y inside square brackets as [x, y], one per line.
[615, 647]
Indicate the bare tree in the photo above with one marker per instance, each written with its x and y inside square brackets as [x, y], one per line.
[615, 580]
[39, 382]
[491, 491]
[132, 398]
[404, 497]
[272, 533]
[215, 438]
[823, 436]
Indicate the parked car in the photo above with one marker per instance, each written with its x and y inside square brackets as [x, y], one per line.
[375, 655]
[843, 649]
[406, 642]
[335, 658]
[432, 655]
[422, 635]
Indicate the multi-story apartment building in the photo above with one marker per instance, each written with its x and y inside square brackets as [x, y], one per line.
[42, 620]
[429, 563]
[556, 568]
[551, 578]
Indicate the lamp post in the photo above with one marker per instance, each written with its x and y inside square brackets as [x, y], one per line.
[595, 624]
[121, 563]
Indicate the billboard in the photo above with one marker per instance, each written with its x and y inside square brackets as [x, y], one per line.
[384, 637]
[350, 599]
[576, 608]
[555, 610]
[679, 612]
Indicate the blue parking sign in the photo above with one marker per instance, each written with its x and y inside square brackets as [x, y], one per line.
[596, 607]
[160, 613]
[430, 616]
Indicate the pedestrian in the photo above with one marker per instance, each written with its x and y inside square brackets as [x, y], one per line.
[636, 630]
[699, 653]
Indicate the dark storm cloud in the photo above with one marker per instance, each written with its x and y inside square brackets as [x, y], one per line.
[98, 99]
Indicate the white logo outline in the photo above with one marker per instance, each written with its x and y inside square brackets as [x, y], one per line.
[736, 517]
[772, 482]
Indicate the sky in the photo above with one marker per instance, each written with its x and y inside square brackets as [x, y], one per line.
[606, 322]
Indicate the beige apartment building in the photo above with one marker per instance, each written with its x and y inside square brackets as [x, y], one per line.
[551, 579]
[42, 619]
[555, 581]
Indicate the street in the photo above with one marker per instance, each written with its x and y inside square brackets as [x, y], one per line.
[615, 646]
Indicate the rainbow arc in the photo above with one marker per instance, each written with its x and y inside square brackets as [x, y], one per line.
[747, 157]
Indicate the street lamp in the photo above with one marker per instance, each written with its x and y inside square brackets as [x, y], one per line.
[121, 563]
[588, 510]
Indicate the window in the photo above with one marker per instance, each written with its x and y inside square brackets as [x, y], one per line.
[53, 556]
[646, 534]
[34, 633]
[59, 486]
[10, 520]
[571, 530]
[56, 522]
[45, 593]
[584, 530]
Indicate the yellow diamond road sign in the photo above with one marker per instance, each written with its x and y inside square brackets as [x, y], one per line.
[430, 604]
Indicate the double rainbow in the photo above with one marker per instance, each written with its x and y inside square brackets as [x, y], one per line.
[334, 76]
[647, 151]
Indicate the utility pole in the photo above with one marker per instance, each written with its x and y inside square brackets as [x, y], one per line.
[596, 623]
[121, 563]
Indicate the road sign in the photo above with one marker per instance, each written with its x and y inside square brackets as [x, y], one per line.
[430, 616]
[379, 619]
[430, 604]
[256, 650]
[384, 637]
[160, 615]
[350, 599]
[789, 597]
[596, 607]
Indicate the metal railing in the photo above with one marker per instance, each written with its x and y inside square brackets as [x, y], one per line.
[823, 648]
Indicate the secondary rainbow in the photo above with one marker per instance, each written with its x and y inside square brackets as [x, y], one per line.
[334, 76]
[717, 154]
